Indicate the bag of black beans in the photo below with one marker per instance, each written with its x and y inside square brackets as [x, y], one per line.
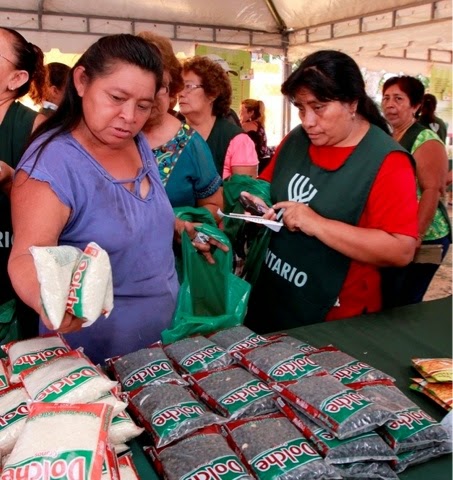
[340, 410]
[204, 455]
[274, 449]
[276, 361]
[233, 392]
[362, 448]
[197, 354]
[237, 338]
[412, 429]
[301, 345]
[345, 368]
[144, 367]
[169, 412]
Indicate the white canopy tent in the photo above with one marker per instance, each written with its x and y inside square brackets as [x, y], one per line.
[410, 34]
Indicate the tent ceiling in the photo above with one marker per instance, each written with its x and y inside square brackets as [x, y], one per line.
[409, 30]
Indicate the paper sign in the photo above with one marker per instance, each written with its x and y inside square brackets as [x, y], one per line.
[273, 225]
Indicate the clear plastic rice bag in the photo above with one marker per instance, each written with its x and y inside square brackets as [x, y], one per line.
[25, 354]
[54, 267]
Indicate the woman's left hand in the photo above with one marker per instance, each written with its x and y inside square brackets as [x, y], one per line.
[299, 217]
[201, 242]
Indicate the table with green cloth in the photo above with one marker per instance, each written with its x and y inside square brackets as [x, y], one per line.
[388, 341]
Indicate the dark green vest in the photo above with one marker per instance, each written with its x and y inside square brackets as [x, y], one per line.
[219, 139]
[302, 277]
[15, 130]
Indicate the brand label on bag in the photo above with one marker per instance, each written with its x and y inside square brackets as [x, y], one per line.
[222, 468]
[149, 373]
[244, 395]
[198, 360]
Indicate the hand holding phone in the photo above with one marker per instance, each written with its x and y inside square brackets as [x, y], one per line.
[252, 207]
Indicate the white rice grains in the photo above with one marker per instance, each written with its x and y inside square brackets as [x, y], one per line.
[61, 441]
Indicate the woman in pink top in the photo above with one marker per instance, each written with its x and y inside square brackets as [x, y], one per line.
[205, 102]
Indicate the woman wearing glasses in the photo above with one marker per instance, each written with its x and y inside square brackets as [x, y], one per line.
[21, 67]
[205, 100]
[185, 162]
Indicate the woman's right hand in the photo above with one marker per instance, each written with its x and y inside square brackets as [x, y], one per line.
[270, 212]
[69, 324]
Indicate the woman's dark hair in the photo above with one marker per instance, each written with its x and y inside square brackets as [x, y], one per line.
[57, 74]
[99, 61]
[411, 86]
[334, 76]
[30, 58]
[428, 108]
[215, 80]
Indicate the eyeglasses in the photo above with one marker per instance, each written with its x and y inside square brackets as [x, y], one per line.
[190, 87]
[8, 60]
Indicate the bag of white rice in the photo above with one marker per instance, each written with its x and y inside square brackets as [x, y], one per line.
[123, 429]
[91, 287]
[25, 354]
[54, 266]
[69, 378]
[4, 377]
[13, 413]
[111, 399]
[61, 441]
[127, 467]
[110, 469]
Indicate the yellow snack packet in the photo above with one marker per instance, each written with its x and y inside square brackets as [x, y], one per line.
[434, 369]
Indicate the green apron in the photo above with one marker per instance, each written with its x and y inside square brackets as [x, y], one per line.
[301, 278]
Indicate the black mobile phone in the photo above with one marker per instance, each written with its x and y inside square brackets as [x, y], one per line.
[251, 207]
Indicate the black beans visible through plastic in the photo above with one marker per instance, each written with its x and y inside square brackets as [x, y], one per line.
[145, 366]
[238, 393]
[197, 354]
[274, 448]
[170, 412]
[202, 456]
[237, 338]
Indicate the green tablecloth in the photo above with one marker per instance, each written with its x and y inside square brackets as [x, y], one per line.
[387, 341]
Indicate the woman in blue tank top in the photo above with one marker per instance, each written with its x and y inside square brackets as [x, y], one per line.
[89, 175]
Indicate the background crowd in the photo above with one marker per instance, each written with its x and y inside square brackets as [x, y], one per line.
[359, 192]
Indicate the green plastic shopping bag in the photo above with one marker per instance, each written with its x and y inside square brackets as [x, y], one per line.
[9, 325]
[210, 297]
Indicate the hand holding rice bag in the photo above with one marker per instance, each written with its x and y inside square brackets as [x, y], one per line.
[91, 287]
[54, 266]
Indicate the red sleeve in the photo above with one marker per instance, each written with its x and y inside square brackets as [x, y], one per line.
[392, 204]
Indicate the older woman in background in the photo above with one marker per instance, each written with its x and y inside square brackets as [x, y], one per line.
[21, 70]
[401, 101]
[205, 100]
[185, 162]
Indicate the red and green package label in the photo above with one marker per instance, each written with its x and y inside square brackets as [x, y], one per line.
[351, 372]
[55, 390]
[409, 422]
[32, 359]
[19, 412]
[293, 368]
[75, 304]
[329, 440]
[251, 341]
[227, 467]
[244, 395]
[168, 419]
[3, 382]
[68, 465]
[149, 373]
[277, 461]
[196, 361]
[343, 405]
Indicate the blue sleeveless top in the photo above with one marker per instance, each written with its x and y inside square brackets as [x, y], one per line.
[136, 232]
